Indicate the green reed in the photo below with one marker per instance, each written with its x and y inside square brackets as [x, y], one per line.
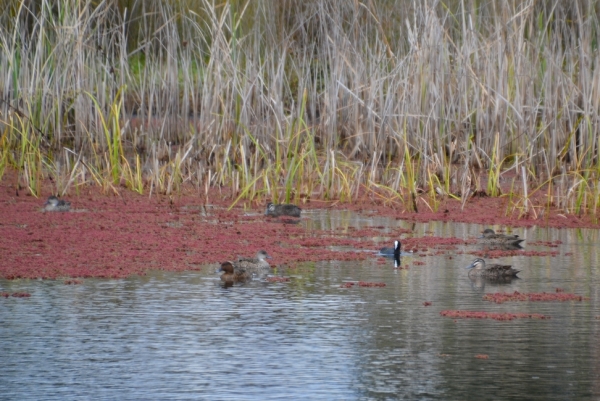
[292, 100]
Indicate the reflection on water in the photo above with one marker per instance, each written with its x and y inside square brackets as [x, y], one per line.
[184, 336]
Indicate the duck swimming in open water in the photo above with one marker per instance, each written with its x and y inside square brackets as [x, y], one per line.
[282, 210]
[256, 265]
[232, 273]
[478, 269]
[53, 204]
[490, 237]
[392, 252]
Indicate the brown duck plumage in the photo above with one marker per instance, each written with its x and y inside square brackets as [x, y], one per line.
[478, 269]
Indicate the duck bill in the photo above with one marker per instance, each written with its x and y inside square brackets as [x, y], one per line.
[472, 265]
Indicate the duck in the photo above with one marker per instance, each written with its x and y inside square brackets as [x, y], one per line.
[282, 210]
[392, 252]
[490, 237]
[53, 204]
[232, 273]
[256, 265]
[477, 268]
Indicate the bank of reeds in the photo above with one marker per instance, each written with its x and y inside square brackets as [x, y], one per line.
[410, 102]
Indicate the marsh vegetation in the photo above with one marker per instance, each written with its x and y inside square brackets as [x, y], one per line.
[410, 102]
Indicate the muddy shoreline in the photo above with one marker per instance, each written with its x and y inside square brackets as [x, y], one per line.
[121, 234]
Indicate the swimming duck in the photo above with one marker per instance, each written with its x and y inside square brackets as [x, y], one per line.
[478, 269]
[392, 252]
[232, 273]
[282, 210]
[490, 237]
[256, 265]
[53, 204]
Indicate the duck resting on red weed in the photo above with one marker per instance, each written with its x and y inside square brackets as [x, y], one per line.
[274, 210]
[490, 237]
[53, 204]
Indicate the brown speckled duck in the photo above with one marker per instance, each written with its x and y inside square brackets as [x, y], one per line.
[256, 265]
[490, 237]
[478, 269]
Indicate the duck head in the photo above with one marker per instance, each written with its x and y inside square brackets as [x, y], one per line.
[477, 264]
[226, 268]
[270, 208]
[262, 255]
[52, 201]
[488, 232]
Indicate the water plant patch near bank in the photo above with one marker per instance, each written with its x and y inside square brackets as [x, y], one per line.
[501, 297]
[463, 314]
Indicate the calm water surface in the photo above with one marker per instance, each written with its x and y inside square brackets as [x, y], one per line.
[184, 336]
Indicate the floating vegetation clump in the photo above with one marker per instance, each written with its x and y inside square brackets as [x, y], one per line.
[351, 284]
[499, 253]
[370, 284]
[276, 279]
[463, 314]
[501, 297]
[15, 294]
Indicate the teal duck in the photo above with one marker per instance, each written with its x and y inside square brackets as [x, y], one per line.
[232, 273]
[478, 269]
[256, 265]
[491, 238]
[53, 204]
[391, 252]
[282, 210]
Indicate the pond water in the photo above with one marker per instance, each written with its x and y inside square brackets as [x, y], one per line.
[185, 336]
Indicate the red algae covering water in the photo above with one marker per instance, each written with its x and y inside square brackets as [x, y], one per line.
[501, 297]
[463, 314]
[120, 233]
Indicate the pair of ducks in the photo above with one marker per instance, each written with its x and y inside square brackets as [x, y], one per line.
[478, 267]
[244, 268]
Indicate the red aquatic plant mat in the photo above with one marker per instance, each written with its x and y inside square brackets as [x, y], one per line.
[119, 233]
[499, 253]
[15, 294]
[501, 297]
[276, 279]
[465, 314]
[362, 284]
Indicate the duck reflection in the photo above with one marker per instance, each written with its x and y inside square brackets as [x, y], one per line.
[479, 282]
[500, 247]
